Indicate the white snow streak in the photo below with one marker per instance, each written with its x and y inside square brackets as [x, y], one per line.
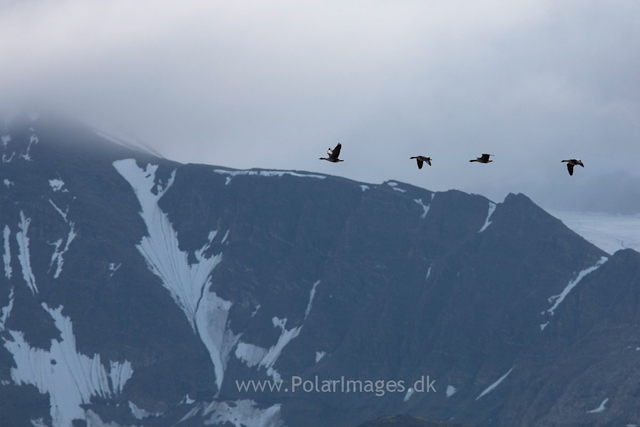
[267, 173]
[188, 284]
[428, 272]
[313, 294]
[5, 140]
[23, 255]
[364, 187]
[572, 284]
[32, 140]
[494, 385]
[487, 222]
[253, 355]
[424, 208]
[70, 378]
[320, 355]
[58, 254]
[410, 393]
[7, 183]
[113, 268]
[544, 325]
[6, 311]
[6, 257]
[62, 214]
[140, 413]
[600, 408]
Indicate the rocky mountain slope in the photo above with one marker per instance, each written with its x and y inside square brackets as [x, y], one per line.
[140, 291]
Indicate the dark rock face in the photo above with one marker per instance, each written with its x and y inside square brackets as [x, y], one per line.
[139, 291]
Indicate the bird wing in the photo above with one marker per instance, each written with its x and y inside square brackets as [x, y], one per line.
[419, 163]
[485, 157]
[336, 151]
[570, 167]
[428, 160]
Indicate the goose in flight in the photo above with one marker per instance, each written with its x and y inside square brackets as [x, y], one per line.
[571, 163]
[333, 154]
[483, 159]
[421, 159]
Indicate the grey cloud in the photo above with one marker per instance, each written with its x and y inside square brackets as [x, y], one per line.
[273, 85]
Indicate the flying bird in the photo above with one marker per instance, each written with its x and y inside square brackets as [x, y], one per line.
[571, 163]
[421, 159]
[333, 154]
[483, 159]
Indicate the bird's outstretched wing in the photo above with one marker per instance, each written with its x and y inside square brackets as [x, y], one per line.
[485, 157]
[419, 163]
[336, 151]
[570, 167]
[428, 160]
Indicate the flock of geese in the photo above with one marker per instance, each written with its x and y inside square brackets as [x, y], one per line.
[485, 158]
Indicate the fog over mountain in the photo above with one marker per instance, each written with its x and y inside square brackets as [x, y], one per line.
[273, 84]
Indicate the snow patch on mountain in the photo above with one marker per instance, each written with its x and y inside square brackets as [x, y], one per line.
[62, 214]
[7, 183]
[58, 253]
[487, 222]
[140, 413]
[451, 390]
[188, 284]
[364, 187]
[56, 184]
[557, 299]
[494, 385]
[253, 355]
[600, 408]
[23, 255]
[239, 413]
[5, 140]
[6, 159]
[267, 173]
[311, 296]
[6, 256]
[408, 395]
[6, 311]
[320, 355]
[113, 268]
[70, 378]
[425, 208]
[32, 140]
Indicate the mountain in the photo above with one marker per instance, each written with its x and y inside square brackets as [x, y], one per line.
[140, 291]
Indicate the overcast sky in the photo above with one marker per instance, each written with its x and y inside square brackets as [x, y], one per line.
[274, 84]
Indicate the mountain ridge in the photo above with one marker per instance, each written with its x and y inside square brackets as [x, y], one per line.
[197, 278]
